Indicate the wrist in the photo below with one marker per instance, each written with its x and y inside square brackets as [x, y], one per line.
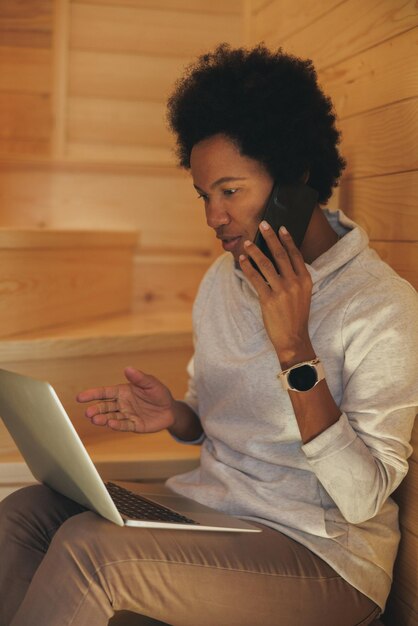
[296, 354]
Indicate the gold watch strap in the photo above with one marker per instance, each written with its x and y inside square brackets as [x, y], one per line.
[315, 363]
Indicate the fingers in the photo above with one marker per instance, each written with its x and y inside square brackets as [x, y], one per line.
[101, 409]
[98, 393]
[253, 276]
[122, 425]
[294, 254]
[287, 257]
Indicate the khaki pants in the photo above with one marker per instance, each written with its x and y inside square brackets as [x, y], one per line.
[61, 565]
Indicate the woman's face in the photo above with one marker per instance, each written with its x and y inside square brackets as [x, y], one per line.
[234, 189]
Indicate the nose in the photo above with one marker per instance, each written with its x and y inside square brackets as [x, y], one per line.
[216, 215]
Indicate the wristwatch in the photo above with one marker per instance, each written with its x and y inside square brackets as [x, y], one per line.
[302, 376]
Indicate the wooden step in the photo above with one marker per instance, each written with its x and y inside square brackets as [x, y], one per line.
[57, 277]
[79, 356]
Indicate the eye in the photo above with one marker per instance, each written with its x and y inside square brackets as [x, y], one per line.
[229, 192]
[202, 195]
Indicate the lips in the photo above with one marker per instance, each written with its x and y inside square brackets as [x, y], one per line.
[230, 243]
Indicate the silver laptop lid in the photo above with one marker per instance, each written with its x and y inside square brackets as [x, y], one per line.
[49, 443]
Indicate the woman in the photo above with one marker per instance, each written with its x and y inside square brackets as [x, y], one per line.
[312, 461]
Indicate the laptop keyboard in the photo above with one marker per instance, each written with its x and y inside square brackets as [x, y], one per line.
[134, 506]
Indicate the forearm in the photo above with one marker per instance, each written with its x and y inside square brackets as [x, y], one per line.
[187, 426]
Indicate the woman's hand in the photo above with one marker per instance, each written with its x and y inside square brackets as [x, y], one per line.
[285, 298]
[143, 405]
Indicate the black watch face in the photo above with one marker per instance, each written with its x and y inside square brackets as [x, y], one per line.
[302, 378]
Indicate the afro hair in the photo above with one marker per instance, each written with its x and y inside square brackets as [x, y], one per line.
[269, 104]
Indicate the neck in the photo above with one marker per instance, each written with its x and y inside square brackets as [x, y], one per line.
[319, 237]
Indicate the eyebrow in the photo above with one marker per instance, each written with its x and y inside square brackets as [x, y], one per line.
[220, 181]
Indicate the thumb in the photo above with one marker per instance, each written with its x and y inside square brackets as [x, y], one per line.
[136, 377]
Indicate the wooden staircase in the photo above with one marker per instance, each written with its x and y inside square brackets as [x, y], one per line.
[66, 317]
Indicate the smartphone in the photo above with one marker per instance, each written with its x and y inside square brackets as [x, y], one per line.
[290, 206]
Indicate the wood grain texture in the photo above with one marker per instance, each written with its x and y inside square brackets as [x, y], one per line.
[385, 206]
[120, 156]
[381, 141]
[156, 32]
[60, 77]
[381, 75]
[257, 5]
[25, 70]
[107, 335]
[197, 6]
[25, 149]
[355, 26]
[43, 286]
[167, 282]
[25, 116]
[276, 20]
[402, 256]
[164, 208]
[123, 76]
[120, 122]
[26, 23]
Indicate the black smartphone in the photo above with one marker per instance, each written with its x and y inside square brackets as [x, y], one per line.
[290, 206]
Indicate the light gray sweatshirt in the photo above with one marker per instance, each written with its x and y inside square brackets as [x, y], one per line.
[331, 494]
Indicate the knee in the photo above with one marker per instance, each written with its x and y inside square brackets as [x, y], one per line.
[80, 536]
[22, 502]
[36, 509]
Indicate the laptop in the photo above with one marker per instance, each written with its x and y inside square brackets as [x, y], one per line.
[56, 456]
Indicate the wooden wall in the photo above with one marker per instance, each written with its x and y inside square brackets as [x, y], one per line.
[365, 52]
[366, 55]
[83, 137]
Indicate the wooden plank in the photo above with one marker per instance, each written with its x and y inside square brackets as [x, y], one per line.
[37, 164]
[119, 122]
[27, 23]
[381, 141]
[108, 335]
[119, 156]
[60, 77]
[23, 148]
[355, 26]
[66, 239]
[25, 70]
[277, 20]
[157, 32]
[45, 287]
[257, 5]
[403, 257]
[123, 76]
[196, 6]
[377, 77]
[167, 282]
[25, 116]
[385, 206]
[165, 209]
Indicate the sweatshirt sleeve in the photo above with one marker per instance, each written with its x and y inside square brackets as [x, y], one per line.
[362, 458]
[191, 397]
